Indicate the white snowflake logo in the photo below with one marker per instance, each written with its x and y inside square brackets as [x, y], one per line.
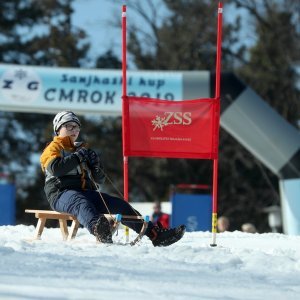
[159, 122]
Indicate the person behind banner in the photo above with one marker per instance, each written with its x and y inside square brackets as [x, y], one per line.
[223, 224]
[249, 228]
[71, 173]
[159, 217]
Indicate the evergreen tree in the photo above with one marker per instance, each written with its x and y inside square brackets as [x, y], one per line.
[271, 67]
[184, 40]
[35, 33]
[17, 18]
[108, 60]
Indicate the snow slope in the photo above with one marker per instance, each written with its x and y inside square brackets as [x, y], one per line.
[243, 266]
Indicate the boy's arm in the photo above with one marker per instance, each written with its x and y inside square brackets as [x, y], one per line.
[96, 166]
[55, 164]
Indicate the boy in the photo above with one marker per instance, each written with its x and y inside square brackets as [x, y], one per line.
[71, 169]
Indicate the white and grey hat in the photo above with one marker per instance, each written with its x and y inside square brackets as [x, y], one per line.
[64, 117]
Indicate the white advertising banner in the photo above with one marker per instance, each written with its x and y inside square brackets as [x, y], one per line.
[50, 89]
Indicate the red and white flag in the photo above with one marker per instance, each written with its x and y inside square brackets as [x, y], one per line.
[177, 129]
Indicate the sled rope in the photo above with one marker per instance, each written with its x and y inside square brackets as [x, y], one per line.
[115, 187]
[117, 218]
[98, 190]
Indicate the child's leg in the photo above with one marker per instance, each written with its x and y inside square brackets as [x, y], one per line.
[158, 236]
[119, 206]
[78, 204]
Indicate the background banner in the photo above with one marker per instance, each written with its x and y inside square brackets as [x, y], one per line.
[181, 129]
[46, 89]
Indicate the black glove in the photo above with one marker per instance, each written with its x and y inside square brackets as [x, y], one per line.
[93, 159]
[96, 167]
[82, 154]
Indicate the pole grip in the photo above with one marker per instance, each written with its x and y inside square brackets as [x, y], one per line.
[127, 234]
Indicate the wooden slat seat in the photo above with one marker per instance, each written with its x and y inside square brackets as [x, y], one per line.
[44, 215]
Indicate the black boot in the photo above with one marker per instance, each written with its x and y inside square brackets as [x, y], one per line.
[162, 237]
[102, 230]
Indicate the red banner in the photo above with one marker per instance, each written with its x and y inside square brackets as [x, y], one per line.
[178, 129]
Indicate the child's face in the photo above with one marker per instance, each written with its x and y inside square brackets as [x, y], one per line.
[70, 129]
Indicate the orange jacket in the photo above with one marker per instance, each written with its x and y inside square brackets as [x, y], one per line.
[63, 169]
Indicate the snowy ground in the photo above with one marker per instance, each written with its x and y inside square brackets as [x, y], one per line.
[243, 266]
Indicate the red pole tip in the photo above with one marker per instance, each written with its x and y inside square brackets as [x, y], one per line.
[220, 5]
[124, 8]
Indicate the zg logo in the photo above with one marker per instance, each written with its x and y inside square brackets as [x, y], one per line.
[20, 85]
[172, 118]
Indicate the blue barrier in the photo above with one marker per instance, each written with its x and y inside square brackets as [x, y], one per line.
[7, 204]
[192, 210]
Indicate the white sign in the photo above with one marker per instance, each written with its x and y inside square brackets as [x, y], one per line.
[45, 89]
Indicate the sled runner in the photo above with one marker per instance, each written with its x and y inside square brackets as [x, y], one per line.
[115, 220]
[44, 215]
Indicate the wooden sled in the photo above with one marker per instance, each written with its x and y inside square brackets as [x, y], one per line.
[115, 220]
[44, 215]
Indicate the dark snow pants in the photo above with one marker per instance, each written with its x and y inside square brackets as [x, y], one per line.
[86, 206]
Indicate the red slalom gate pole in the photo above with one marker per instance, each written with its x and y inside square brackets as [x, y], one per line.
[217, 97]
[124, 94]
[219, 51]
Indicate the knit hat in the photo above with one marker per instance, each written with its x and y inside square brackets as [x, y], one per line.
[62, 118]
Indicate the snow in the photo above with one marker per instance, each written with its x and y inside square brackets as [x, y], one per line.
[243, 266]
